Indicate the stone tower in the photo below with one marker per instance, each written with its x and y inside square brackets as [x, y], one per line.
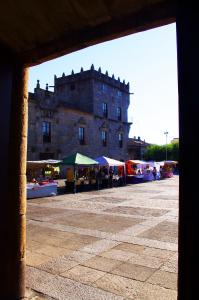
[87, 112]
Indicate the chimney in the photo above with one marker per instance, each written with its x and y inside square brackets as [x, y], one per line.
[38, 85]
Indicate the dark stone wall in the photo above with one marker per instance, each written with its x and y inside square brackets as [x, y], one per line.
[114, 97]
[75, 93]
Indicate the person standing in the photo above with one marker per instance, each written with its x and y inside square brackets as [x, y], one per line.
[70, 179]
[161, 172]
[111, 177]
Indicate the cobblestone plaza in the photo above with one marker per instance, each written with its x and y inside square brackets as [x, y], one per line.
[119, 243]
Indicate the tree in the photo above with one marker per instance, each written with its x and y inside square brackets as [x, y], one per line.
[158, 152]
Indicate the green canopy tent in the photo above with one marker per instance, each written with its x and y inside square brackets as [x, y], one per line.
[76, 160]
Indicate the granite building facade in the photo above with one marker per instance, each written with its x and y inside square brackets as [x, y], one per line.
[137, 148]
[86, 113]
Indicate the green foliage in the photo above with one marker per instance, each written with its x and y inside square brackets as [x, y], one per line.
[158, 152]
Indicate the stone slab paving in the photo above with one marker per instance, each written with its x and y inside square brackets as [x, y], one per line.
[119, 243]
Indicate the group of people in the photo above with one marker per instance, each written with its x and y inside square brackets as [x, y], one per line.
[112, 176]
[105, 176]
[100, 176]
[157, 173]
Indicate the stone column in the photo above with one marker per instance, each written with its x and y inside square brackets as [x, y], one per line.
[188, 83]
[13, 125]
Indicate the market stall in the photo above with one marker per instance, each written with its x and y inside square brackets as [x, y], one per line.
[148, 171]
[111, 172]
[39, 169]
[155, 168]
[167, 168]
[81, 172]
[40, 183]
[36, 190]
[135, 171]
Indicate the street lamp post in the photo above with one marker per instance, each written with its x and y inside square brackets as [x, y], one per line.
[166, 133]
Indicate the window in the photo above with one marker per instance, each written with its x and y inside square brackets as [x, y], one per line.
[81, 135]
[46, 131]
[104, 138]
[105, 109]
[72, 87]
[119, 114]
[120, 140]
[47, 114]
[104, 87]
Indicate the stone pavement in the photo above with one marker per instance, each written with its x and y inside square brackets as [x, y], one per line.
[118, 243]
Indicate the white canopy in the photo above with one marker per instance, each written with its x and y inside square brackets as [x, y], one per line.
[172, 162]
[160, 163]
[168, 162]
[137, 162]
[106, 161]
[42, 163]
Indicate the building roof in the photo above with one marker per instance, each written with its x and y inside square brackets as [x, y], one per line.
[175, 140]
[92, 74]
[36, 31]
[133, 142]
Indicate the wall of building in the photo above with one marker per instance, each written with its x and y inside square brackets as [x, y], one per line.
[136, 148]
[75, 91]
[67, 110]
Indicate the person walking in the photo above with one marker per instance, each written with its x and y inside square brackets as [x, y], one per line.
[154, 173]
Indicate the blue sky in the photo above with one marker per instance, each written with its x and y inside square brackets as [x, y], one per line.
[146, 60]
